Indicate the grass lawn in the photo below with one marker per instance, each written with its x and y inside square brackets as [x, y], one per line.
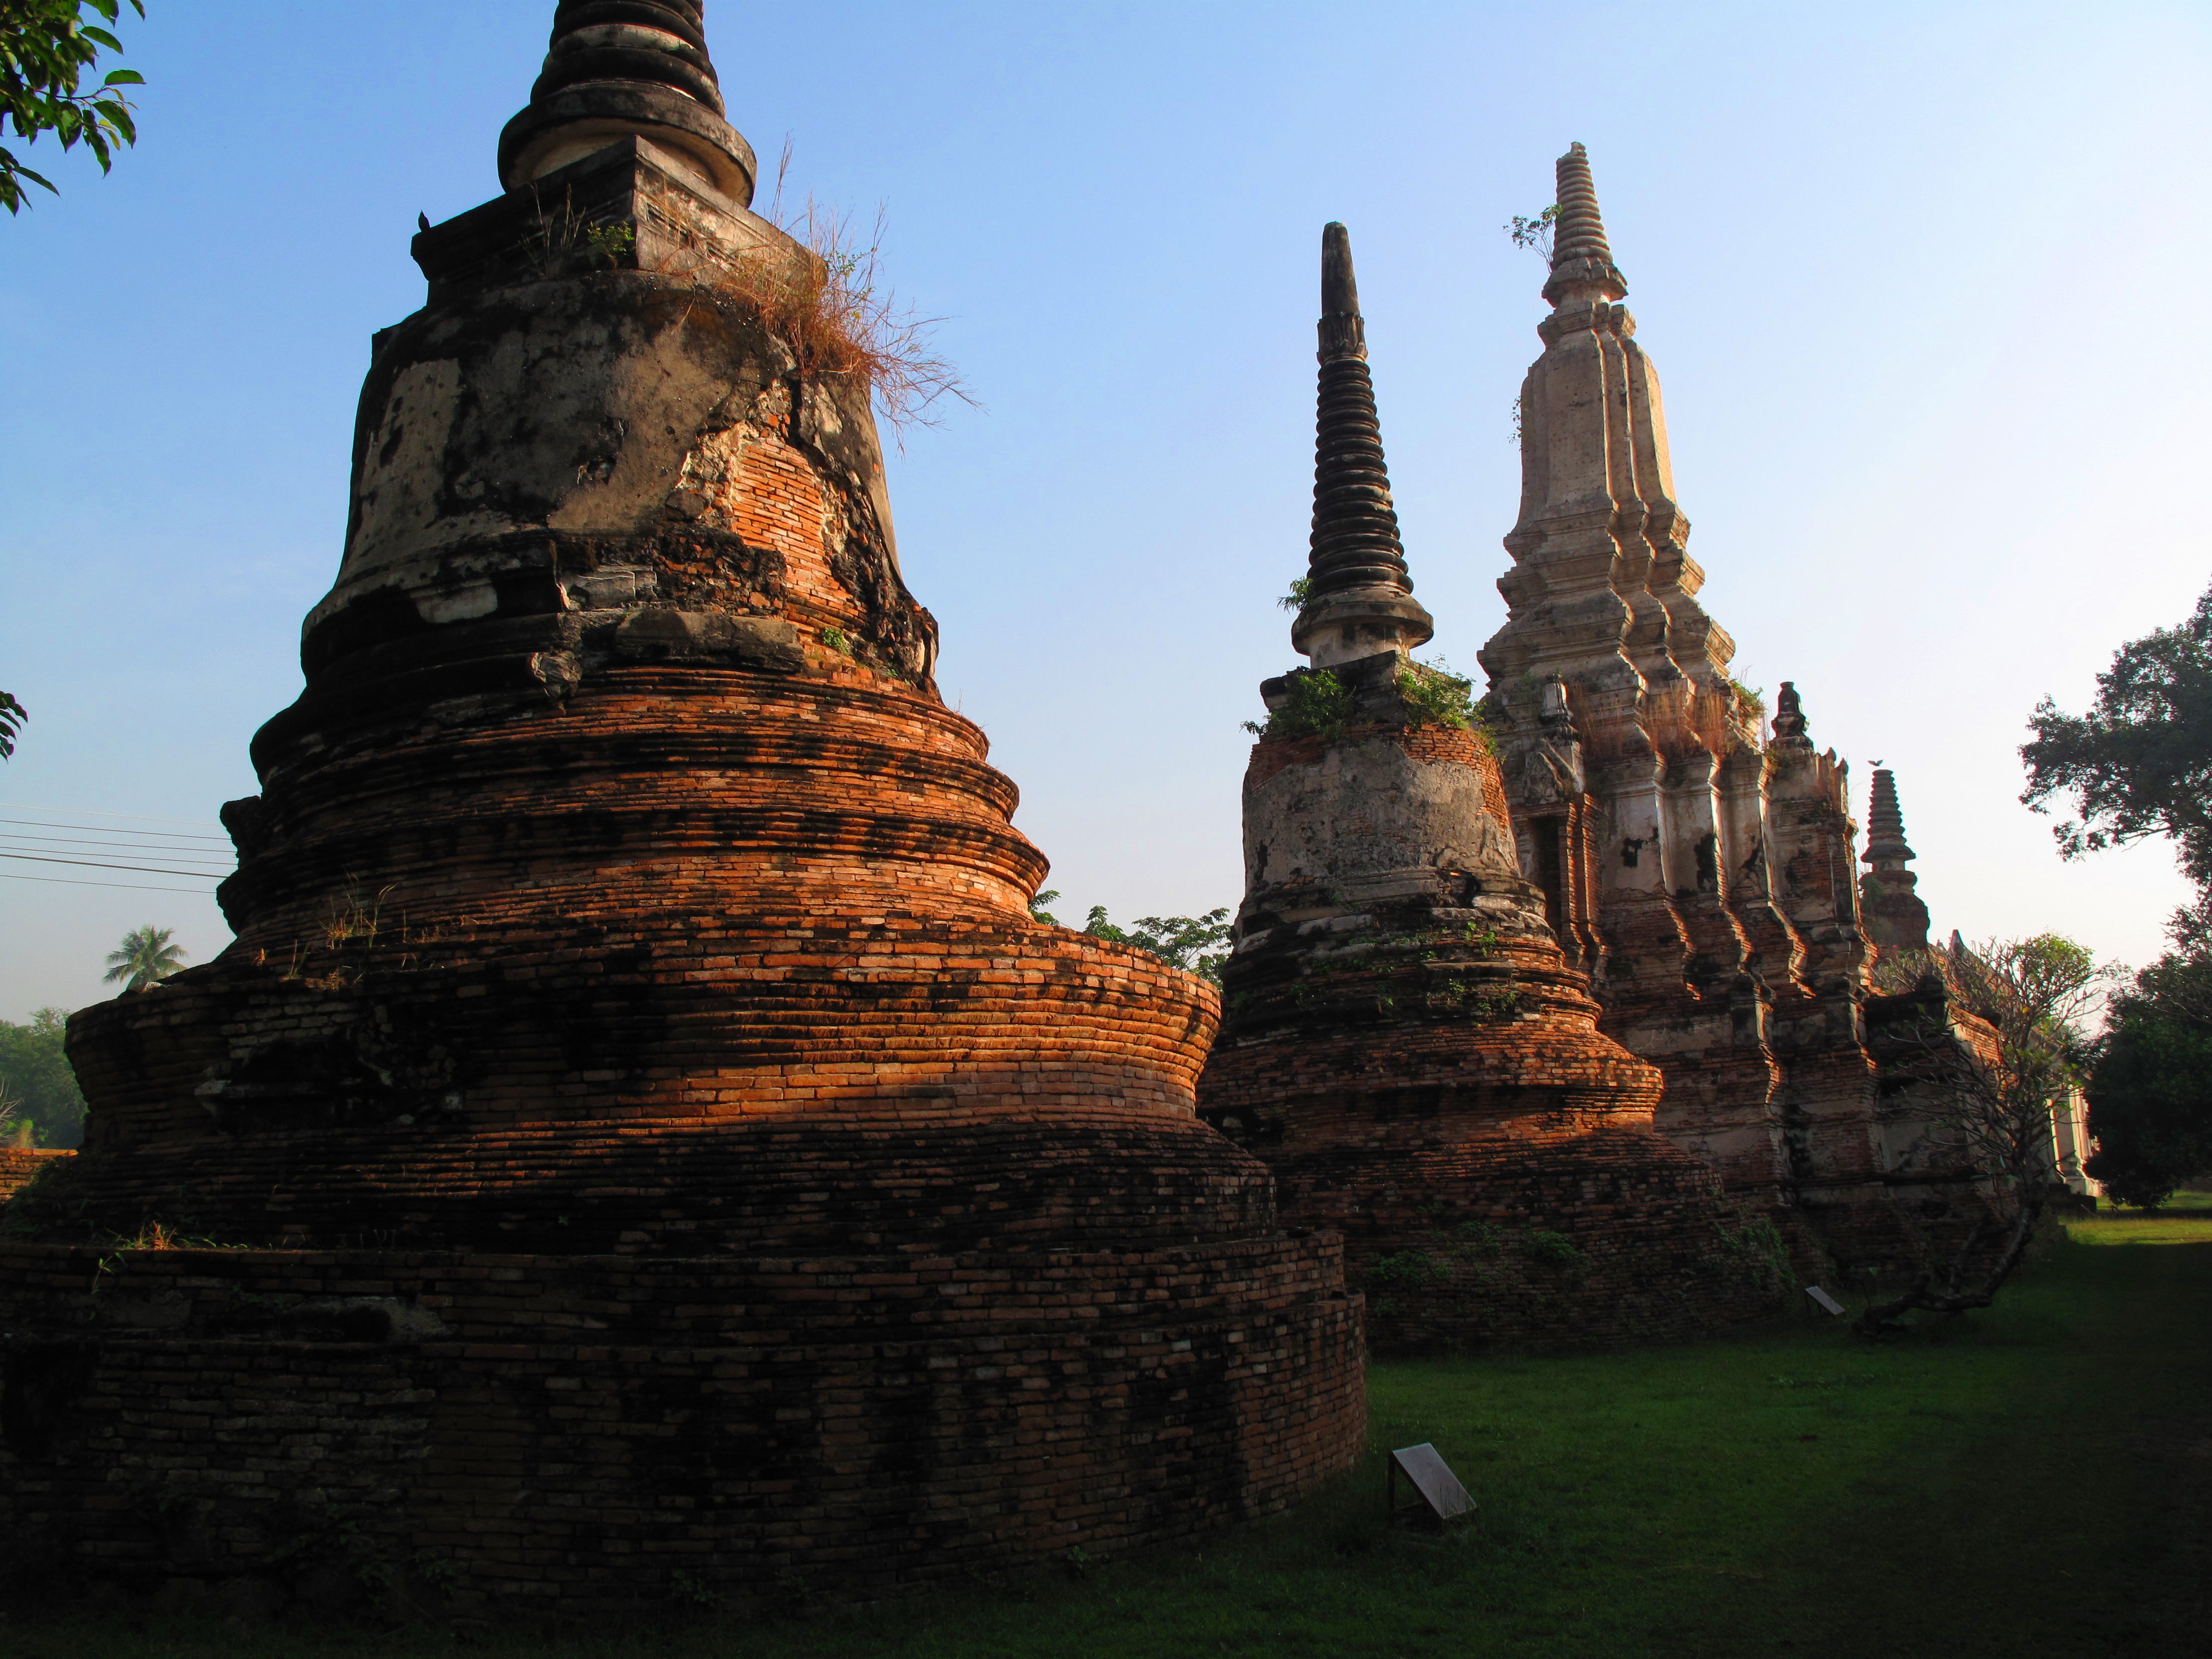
[2033, 1481]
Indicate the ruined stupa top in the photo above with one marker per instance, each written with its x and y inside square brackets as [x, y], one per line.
[1358, 594]
[1886, 823]
[1581, 261]
[617, 66]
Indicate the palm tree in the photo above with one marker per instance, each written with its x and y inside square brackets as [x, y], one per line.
[145, 957]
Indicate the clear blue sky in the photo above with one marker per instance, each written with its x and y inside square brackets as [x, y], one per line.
[1916, 278]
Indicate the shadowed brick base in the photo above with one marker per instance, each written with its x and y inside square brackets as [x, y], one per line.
[572, 1434]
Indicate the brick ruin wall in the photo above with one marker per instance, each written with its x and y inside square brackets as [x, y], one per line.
[20, 1166]
[568, 1435]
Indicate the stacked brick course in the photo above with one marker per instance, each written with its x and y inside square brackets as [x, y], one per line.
[1404, 1043]
[634, 981]
[19, 1166]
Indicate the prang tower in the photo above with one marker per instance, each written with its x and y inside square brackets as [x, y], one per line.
[671, 1160]
[1404, 1043]
[1704, 880]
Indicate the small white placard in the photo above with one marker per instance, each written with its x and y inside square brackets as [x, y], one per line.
[1438, 1486]
[1828, 1302]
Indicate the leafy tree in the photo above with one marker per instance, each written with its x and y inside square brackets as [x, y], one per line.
[2150, 1093]
[145, 957]
[1185, 942]
[12, 716]
[1987, 1109]
[2139, 763]
[36, 1073]
[46, 49]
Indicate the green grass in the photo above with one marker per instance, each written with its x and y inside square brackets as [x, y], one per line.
[2033, 1481]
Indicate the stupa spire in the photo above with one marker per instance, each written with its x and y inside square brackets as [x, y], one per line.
[1896, 918]
[1886, 820]
[619, 67]
[1581, 260]
[1358, 594]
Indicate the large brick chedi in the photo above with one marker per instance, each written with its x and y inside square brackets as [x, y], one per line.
[1703, 879]
[671, 1159]
[1403, 1041]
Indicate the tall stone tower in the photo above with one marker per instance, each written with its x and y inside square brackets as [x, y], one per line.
[1404, 1043]
[1896, 919]
[663, 1141]
[1705, 881]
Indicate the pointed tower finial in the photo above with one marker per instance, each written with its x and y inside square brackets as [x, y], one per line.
[1358, 599]
[1885, 821]
[1894, 917]
[619, 67]
[1581, 261]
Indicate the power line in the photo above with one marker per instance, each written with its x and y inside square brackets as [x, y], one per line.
[90, 864]
[102, 829]
[123, 886]
[94, 812]
[182, 854]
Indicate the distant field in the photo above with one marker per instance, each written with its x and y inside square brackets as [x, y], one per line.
[2030, 1482]
[2186, 1218]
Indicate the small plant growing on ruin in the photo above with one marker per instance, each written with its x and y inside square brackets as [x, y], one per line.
[610, 242]
[1319, 706]
[835, 640]
[1300, 596]
[827, 301]
[1405, 1270]
[1555, 1247]
[350, 919]
[1752, 697]
[1434, 696]
[1534, 233]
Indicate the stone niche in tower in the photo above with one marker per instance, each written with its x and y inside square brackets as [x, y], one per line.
[657, 1153]
[1404, 1043]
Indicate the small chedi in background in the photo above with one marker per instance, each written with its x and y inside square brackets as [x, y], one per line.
[671, 1161]
[1402, 1040]
[1703, 879]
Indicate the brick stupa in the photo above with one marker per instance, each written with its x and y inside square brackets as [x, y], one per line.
[1404, 1043]
[671, 1160]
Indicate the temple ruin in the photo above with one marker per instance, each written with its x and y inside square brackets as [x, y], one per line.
[657, 1153]
[1704, 878]
[1404, 1042]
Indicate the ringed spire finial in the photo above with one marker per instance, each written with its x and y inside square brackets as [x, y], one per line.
[1885, 821]
[1359, 596]
[1581, 260]
[1355, 524]
[617, 66]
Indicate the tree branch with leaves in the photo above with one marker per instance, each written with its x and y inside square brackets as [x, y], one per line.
[47, 49]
